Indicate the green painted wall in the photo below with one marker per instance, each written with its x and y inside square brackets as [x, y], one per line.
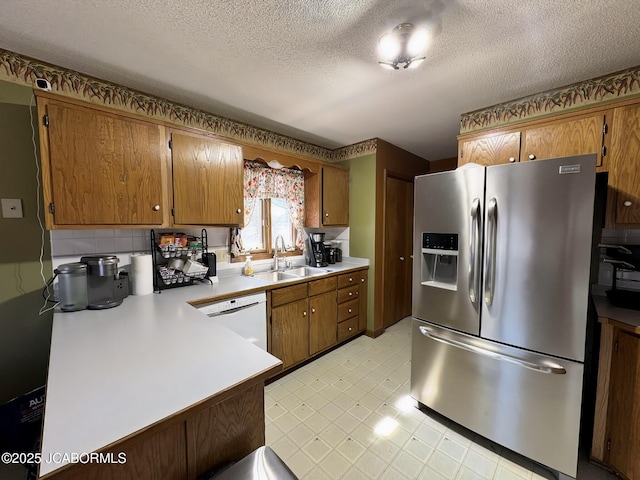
[362, 212]
[24, 334]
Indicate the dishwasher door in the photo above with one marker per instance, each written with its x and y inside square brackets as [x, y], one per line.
[246, 315]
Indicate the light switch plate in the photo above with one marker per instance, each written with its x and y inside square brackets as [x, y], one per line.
[222, 255]
[11, 208]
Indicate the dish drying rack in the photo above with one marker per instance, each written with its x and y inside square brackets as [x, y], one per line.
[165, 277]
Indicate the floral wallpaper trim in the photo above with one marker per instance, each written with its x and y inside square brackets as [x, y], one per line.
[360, 149]
[24, 70]
[615, 86]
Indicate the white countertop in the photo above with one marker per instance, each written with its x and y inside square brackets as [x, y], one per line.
[113, 372]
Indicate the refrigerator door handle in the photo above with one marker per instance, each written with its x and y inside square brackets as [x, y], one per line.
[490, 259]
[474, 257]
[555, 369]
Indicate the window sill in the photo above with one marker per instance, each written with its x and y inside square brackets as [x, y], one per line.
[265, 256]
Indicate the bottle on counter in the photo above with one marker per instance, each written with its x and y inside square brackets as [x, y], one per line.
[248, 267]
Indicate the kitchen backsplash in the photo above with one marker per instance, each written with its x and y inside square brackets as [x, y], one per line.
[69, 245]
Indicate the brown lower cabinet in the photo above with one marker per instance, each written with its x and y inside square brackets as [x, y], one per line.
[616, 438]
[219, 430]
[311, 317]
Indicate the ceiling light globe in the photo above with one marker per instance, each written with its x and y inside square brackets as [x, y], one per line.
[418, 41]
[388, 46]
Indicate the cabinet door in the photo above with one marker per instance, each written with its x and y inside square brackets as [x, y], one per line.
[335, 196]
[290, 332]
[322, 322]
[490, 150]
[624, 173]
[105, 169]
[207, 181]
[363, 294]
[624, 406]
[574, 137]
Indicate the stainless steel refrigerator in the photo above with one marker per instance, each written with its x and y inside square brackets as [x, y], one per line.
[500, 295]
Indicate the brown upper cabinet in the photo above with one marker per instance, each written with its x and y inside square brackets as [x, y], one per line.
[326, 197]
[490, 150]
[551, 139]
[100, 169]
[207, 180]
[624, 173]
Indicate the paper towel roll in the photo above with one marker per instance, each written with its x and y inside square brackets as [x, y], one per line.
[141, 274]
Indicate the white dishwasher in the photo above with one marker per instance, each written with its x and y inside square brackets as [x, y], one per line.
[246, 315]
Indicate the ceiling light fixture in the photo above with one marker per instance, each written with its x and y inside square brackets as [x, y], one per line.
[403, 46]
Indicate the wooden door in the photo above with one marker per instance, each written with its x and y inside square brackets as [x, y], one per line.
[624, 406]
[290, 332]
[490, 150]
[105, 169]
[624, 172]
[564, 138]
[335, 196]
[208, 181]
[322, 322]
[397, 250]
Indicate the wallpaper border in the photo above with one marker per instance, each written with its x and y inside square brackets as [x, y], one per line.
[611, 87]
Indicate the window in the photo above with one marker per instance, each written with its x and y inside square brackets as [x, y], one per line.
[274, 206]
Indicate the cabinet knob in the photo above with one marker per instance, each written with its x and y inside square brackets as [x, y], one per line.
[304, 314]
[313, 310]
[350, 279]
[627, 203]
[532, 157]
[349, 310]
[362, 280]
[512, 159]
[402, 259]
[350, 294]
[156, 207]
[326, 214]
[238, 210]
[350, 328]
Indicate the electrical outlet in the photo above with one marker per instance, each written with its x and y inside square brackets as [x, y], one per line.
[222, 255]
[11, 208]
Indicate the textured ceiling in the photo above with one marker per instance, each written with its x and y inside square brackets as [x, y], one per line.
[308, 68]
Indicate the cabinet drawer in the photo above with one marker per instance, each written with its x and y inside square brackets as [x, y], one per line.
[348, 310]
[317, 287]
[347, 329]
[346, 294]
[348, 279]
[288, 294]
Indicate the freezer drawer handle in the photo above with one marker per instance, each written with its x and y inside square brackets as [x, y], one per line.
[490, 260]
[474, 263]
[558, 370]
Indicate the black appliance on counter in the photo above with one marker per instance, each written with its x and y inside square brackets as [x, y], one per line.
[627, 259]
[318, 255]
[106, 286]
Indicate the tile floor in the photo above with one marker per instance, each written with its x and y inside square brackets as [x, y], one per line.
[324, 420]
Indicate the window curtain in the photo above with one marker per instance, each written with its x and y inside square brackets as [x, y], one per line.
[262, 182]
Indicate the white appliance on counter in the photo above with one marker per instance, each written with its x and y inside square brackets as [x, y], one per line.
[246, 315]
[500, 298]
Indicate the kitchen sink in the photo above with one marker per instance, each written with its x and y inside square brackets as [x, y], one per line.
[275, 276]
[307, 271]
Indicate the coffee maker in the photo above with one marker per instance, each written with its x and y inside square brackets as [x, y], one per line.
[106, 286]
[317, 250]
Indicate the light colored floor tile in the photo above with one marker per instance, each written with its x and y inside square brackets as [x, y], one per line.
[384, 449]
[393, 474]
[371, 464]
[274, 412]
[317, 422]
[407, 464]
[284, 448]
[317, 402]
[301, 435]
[355, 473]
[290, 402]
[317, 385]
[333, 435]
[287, 422]
[303, 411]
[300, 463]
[359, 411]
[503, 473]
[428, 434]
[317, 449]
[450, 447]
[317, 474]
[364, 434]
[335, 465]
[444, 465]
[480, 464]
[347, 422]
[429, 474]
[331, 411]
[418, 448]
[344, 401]
[272, 433]
[330, 392]
[350, 448]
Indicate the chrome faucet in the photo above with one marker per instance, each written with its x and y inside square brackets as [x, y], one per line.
[276, 259]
